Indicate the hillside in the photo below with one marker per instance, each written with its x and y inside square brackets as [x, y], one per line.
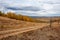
[44, 33]
[15, 27]
[10, 27]
[7, 23]
[18, 17]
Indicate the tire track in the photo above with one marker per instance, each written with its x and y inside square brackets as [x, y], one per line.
[4, 34]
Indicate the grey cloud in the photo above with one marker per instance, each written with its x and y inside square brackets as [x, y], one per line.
[33, 10]
[50, 1]
[29, 8]
[26, 13]
[23, 8]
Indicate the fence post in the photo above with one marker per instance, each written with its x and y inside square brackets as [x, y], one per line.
[50, 21]
[58, 21]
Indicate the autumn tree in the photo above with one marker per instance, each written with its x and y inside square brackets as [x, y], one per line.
[1, 13]
[11, 15]
[17, 16]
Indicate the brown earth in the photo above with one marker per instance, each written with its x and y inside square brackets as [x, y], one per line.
[45, 33]
[12, 29]
[7, 23]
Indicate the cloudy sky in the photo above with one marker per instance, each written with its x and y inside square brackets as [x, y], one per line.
[31, 7]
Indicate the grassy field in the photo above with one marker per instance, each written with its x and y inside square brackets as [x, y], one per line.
[7, 23]
[49, 29]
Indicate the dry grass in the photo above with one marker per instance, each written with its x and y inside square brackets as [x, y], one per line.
[7, 23]
[44, 33]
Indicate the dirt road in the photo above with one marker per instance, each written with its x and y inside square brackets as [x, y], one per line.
[6, 33]
[12, 27]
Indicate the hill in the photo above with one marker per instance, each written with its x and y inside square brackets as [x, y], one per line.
[14, 27]
[18, 17]
[41, 33]
[7, 23]
[10, 27]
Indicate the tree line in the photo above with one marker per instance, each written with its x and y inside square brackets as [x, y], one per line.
[17, 16]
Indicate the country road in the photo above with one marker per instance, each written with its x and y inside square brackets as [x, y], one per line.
[12, 32]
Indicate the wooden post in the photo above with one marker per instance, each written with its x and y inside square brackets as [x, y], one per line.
[59, 21]
[50, 21]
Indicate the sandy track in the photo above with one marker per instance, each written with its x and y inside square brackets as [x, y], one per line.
[7, 33]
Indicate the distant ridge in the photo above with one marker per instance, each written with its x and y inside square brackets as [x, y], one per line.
[43, 16]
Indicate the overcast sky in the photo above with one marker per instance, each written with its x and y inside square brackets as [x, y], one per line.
[31, 7]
